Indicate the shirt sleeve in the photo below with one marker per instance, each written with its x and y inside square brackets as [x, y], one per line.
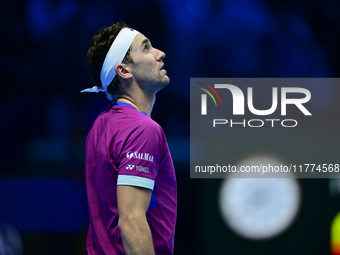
[140, 157]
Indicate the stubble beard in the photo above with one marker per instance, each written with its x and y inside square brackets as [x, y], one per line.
[153, 85]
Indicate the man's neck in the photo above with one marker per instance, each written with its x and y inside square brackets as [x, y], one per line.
[142, 103]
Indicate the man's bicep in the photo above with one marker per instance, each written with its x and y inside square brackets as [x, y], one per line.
[132, 200]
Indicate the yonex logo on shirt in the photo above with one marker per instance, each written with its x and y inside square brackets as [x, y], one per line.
[142, 169]
[130, 167]
[139, 155]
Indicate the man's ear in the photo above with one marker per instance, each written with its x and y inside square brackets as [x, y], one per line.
[123, 71]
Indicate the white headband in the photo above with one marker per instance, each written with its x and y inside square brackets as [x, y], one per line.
[115, 55]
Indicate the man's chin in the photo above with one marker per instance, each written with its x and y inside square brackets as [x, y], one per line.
[164, 81]
[167, 80]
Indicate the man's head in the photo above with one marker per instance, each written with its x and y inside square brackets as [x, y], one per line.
[98, 50]
[147, 70]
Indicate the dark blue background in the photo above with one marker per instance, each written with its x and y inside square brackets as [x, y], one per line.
[44, 118]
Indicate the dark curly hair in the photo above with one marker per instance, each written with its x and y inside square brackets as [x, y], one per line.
[97, 51]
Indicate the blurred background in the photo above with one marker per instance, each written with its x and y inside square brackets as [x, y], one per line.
[45, 119]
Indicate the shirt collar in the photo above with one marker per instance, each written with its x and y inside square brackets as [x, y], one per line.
[127, 104]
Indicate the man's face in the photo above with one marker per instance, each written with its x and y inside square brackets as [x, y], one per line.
[147, 68]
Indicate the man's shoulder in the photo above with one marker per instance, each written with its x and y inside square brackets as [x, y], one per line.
[138, 119]
[126, 119]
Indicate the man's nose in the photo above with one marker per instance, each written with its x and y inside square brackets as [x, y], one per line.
[160, 55]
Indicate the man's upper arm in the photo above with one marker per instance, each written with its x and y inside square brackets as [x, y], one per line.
[134, 228]
[132, 201]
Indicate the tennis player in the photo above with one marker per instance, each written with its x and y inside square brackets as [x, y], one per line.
[130, 177]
